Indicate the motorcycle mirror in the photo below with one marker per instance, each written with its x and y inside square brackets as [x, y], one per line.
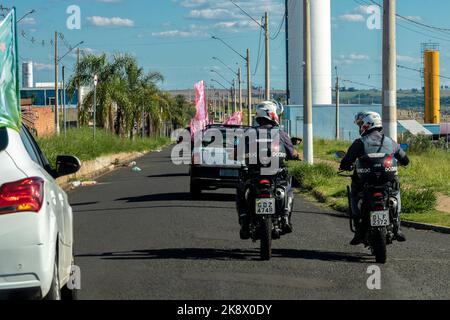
[296, 141]
[340, 154]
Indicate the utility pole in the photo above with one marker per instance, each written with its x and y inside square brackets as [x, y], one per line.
[240, 89]
[64, 100]
[308, 150]
[266, 29]
[249, 89]
[288, 92]
[95, 104]
[79, 88]
[56, 85]
[389, 69]
[337, 106]
[235, 96]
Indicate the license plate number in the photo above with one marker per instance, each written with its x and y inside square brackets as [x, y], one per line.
[229, 173]
[379, 219]
[265, 206]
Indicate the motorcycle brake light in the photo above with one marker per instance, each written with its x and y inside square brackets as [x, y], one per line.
[377, 194]
[25, 195]
[388, 162]
[265, 181]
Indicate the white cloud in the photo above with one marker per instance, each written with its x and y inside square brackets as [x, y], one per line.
[179, 34]
[28, 20]
[351, 59]
[415, 18]
[349, 17]
[107, 22]
[407, 59]
[42, 66]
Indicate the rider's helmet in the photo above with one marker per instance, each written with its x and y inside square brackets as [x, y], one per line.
[268, 111]
[368, 121]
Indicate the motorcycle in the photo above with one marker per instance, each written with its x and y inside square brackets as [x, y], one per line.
[377, 202]
[269, 203]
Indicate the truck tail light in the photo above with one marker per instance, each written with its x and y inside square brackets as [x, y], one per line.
[20, 196]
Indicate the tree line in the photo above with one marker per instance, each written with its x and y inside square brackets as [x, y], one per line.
[128, 99]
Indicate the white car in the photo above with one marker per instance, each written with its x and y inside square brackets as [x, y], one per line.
[36, 229]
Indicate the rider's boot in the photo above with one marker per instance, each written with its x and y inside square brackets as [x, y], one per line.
[359, 234]
[244, 233]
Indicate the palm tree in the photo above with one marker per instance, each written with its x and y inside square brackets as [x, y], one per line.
[127, 96]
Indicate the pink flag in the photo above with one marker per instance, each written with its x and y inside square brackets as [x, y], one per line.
[235, 119]
[201, 118]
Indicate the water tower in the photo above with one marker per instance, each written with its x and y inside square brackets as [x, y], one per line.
[27, 74]
[320, 50]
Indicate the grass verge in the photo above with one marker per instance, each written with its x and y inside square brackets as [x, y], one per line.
[428, 174]
[80, 143]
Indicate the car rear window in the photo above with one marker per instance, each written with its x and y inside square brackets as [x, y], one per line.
[3, 139]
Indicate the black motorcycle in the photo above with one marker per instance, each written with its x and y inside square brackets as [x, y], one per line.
[378, 174]
[268, 200]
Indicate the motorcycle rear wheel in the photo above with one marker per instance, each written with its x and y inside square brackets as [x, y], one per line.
[379, 245]
[266, 239]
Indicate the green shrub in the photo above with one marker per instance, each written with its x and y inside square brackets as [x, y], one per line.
[414, 201]
[80, 143]
[311, 177]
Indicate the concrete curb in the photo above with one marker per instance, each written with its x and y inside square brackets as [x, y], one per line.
[407, 224]
[103, 165]
[426, 227]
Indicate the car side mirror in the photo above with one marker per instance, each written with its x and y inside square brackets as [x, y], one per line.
[66, 165]
[296, 141]
[340, 154]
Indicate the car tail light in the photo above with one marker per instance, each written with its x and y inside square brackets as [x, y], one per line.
[20, 196]
[196, 158]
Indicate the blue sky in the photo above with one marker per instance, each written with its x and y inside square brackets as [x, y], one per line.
[174, 36]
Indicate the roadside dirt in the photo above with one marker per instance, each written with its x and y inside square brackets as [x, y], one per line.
[443, 203]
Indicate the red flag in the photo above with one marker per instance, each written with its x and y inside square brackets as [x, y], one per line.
[201, 118]
[235, 119]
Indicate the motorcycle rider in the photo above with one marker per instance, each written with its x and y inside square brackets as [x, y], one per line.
[267, 117]
[372, 141]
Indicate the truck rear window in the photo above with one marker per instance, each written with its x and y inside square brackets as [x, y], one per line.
[3, 139]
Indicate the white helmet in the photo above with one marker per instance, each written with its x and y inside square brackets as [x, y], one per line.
[269, 110]
[367, 121]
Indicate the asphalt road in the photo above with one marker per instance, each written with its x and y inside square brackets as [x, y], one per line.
[139, 236]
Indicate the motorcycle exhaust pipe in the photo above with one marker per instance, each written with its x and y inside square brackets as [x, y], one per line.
[280, 194]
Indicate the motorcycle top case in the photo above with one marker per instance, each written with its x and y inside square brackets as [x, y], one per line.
[378, 168]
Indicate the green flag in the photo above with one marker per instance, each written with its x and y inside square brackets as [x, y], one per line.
[10, 113]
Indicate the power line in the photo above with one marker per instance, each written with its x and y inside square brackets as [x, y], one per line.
[420, 71]
[279, 29]
[361, 84]
[247, 14]
[259, 51]
[412, 21]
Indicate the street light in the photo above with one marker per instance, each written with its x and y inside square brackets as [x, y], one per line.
[249, 84]
[223, 97]
[26, 15]
[238, 74]
[57, 60]
[233, 88]
[76, 46]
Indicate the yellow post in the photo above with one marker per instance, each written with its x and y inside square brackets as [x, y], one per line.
[432, 87]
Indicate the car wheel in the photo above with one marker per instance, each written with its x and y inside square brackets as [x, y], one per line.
[55, 291]
[67, 293]
[195, 191]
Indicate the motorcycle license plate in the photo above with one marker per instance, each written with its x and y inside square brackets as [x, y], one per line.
[265, 206]
[379, 218]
